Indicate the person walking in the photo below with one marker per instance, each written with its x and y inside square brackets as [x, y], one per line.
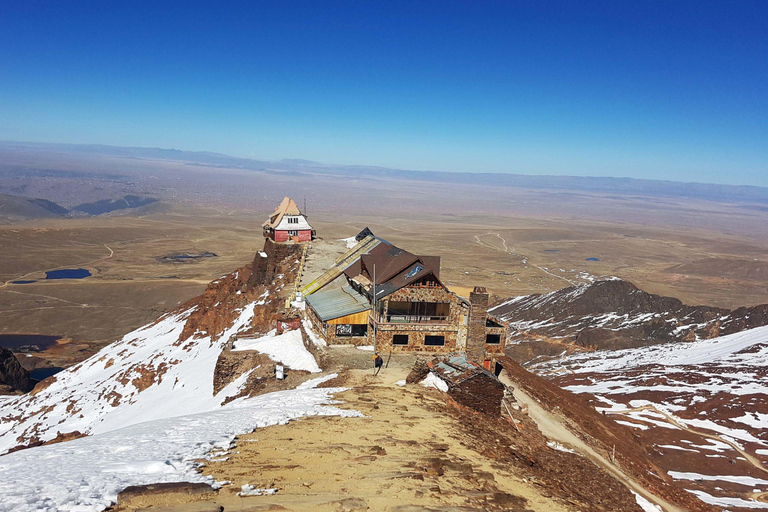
[378, 362]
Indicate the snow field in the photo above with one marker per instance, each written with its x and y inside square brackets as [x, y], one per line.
[287, 348]
[86, 474]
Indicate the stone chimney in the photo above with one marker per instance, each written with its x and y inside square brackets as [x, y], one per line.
[478, 312]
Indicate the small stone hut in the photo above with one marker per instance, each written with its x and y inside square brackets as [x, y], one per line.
[469, 383]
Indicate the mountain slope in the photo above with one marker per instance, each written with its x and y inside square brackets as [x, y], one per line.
[615, 314]
[703, 406]
[162, 370]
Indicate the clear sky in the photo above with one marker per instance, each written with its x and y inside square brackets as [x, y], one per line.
[649, 89]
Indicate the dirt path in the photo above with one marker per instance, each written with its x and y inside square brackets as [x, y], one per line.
[555, 429]
[405, 455]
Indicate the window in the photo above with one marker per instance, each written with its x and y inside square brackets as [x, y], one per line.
[434, 341]
[293, 220]
[400, 339]
[493, 339]
[343, 330]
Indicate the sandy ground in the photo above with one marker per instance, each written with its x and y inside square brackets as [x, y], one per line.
[406, 454]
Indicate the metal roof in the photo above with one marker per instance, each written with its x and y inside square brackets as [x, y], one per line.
[456, 368]
[337, 302]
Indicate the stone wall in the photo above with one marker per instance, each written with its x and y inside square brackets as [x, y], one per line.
[416, 334]
[417, 331]
[496, 349]
[481, 392]
[478, 314]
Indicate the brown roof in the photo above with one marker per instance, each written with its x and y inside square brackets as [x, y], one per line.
[391, 261]
[287, 206]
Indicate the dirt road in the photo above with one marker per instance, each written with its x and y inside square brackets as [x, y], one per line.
[555, 429]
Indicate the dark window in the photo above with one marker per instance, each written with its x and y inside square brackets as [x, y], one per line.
[351, 329]
[400, 339]
[493, 339]
[434, 341]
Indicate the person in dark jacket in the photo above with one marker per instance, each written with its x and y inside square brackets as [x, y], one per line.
[378, 362]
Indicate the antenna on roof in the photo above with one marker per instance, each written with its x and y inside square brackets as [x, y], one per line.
[305, 206]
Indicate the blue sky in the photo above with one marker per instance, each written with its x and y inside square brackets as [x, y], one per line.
[670, 90]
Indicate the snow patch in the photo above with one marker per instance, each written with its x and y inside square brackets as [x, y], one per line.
[287, 348]
[433, 381]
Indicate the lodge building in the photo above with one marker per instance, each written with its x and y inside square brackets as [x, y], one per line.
[287, 224]
[378, 294]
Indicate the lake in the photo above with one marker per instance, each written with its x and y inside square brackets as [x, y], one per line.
[23, 281]
[592, 259]
[44, 373]
[15, 341]
[68, 273]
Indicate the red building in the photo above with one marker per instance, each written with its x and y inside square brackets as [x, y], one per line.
[288, 223]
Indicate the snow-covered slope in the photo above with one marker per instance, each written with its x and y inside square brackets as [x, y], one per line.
[143, 409]
[703, 404]
[87, 474]
[164, 369]
[149, 374]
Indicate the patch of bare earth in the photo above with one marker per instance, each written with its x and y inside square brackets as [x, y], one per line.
[414, 449]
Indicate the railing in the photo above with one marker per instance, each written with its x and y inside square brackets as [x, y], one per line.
[416, 319]
[299, 271]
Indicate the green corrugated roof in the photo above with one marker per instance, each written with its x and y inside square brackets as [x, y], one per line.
[338, 302]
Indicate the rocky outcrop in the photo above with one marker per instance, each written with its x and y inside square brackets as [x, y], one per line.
[614, 314]
[12, 375]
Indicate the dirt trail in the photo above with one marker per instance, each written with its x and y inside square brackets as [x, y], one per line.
[555, 429]
[405, 455]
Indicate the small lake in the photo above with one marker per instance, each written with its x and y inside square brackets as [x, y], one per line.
[44, 373]
[16, 341]
[551, 250]
[592, 259]
[68, 273]
[23, 281]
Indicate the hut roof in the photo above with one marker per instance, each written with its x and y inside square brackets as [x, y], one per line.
[337, 302]
[456, 368]
[286, 207]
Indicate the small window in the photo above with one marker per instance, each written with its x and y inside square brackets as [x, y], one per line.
[400, 339]
[434, 341]
[493, 339]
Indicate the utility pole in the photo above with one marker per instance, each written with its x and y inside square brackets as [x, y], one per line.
[373, 306]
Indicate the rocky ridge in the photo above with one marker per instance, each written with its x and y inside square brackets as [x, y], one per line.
[613, 314]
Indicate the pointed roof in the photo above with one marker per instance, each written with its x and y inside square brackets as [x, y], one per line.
[287, 207]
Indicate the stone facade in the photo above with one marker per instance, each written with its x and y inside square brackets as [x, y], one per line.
[496, 349]
[417, 332]
[478, 315]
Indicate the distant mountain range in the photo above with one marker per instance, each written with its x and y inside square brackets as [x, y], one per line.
[19, 207]
[621, 186]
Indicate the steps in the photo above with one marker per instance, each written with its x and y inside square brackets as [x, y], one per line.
[342, 262]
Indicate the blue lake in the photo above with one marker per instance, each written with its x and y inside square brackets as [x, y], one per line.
[23, 281]
[551, 250]
[68, 273]
[592, 259]
[44, 373]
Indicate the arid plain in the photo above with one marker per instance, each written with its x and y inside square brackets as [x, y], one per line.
[512, 240]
